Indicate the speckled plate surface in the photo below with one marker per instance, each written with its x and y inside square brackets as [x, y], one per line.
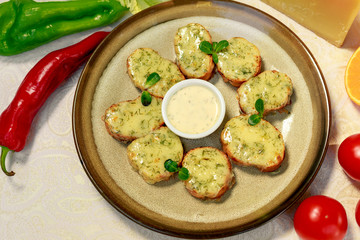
[166, 207]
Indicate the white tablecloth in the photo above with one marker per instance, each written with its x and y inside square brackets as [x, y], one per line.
[51, 197]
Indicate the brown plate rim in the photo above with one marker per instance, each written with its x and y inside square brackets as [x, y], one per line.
[157, 226]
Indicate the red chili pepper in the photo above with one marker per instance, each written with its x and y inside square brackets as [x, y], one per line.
[39, 83]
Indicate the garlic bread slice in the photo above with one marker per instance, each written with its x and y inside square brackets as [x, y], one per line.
[273, 87]
[239, 61]
[144, 61]
[210, 173]
[261, 145]
[192, 62]
[148, 154]
[129, 120]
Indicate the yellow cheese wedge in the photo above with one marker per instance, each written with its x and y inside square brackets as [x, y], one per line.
[330, 19]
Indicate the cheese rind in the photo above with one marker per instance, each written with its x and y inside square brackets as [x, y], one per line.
[148, 154]
[273, 87]
[191, 60]
[330, 19]
[144, 61]
[128, 120]
[261, 146]
[210, 173]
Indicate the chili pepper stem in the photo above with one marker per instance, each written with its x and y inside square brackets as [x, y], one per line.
[4, 152]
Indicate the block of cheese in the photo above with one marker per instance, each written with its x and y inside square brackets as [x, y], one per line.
[329, 19]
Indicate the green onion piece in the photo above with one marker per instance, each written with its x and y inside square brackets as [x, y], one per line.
[171, 165]
[183, 174]
[254, 119]
[206, 47]
[152, 79]
[146, 98]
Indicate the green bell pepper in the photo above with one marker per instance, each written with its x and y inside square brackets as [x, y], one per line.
[26, 24]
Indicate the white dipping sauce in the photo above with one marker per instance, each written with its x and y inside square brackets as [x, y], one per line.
[193, 109]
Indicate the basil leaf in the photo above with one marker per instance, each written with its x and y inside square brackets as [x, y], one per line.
[152, 79]
[259, 106]
[171, 165]
[214, 46]
[254, 119]
[221, 45]
[146, 98]
[215, 57]
[183, 174]
[206, 47]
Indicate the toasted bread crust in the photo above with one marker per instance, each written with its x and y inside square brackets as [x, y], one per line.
[262, 168]
[208, 160]
[126, 131]
[274, 88]
[207, 76]
[192, 62]
[266, 153]
[144, 61]
[239, 62]
[148, 154]
[164, 176]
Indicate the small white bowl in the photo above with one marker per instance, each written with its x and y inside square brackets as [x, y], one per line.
[187, 83]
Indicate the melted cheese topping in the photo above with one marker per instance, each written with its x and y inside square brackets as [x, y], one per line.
[193, 109]
[132, 119]
[144, 61]
[272, 87]
[148, 154]
[240, 60]
[189, 57]
[261, 144]
[209, 170]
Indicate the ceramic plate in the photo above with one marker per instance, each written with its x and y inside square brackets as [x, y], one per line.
[167, 207]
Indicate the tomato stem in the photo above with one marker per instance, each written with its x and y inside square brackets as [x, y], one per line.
[4, 152]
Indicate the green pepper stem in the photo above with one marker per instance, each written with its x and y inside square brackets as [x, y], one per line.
[4, 152]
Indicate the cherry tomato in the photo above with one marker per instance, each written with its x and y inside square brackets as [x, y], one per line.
[320, 217]
[349, 156]
[357, 213]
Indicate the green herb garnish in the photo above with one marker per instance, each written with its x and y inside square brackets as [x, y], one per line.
[220, 46]
[214, 48]
[172, 166]
[206, 47]
[152, 79]
[146, 98]
[183, 174]
[256, 118]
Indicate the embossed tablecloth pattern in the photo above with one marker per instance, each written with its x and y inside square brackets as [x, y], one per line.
[51, 197]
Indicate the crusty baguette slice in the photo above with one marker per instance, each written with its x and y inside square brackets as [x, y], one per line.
[144, 61]
[261, 146]
[239, 61]
[210, 172]
[128, 120]
[192, 62]
[148, 154]
[273, 87]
